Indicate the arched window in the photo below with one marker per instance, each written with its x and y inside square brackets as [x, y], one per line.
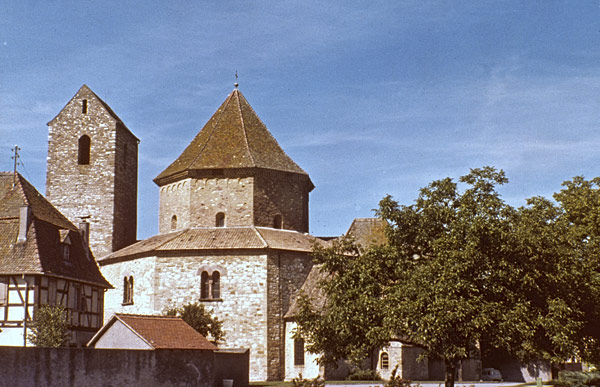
[173, 222]
[384, 360]
[299, 352]
[83, 157]
[127, 290]
[216, 285]
[210, 286]
[204, 286]
[220, 220]
[277, 222]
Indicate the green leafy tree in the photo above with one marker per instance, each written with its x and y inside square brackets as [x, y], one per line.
[49, 327]
[200, 319]
[462, 271]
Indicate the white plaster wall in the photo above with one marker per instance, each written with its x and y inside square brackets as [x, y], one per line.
[118, 336]
[310, 369]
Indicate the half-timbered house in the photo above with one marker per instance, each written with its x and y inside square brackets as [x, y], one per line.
[44, 259]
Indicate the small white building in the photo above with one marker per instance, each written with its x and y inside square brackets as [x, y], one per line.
[128, 331]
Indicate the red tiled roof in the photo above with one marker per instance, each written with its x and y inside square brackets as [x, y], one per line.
[219, 238]
[166, 332]
[40, 253]
[234, 137]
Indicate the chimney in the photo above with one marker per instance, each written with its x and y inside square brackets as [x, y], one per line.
[24, 222]
[84, 230]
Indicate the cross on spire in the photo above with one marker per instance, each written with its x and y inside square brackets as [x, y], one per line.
[236, 84]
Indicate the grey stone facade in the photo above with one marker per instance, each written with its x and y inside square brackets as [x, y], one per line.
[98, 184]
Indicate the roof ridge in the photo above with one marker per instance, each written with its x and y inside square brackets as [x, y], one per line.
[116, 316]
[237, 93]
[271, 134]
[260, 236]
[212, 130]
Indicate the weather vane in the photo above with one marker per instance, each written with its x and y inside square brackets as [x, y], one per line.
[236, 84]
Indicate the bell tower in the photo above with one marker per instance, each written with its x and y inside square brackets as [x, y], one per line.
[92, 171]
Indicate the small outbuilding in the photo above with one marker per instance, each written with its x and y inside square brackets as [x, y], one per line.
[129, 331]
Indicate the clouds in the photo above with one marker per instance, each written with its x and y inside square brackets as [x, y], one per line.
[369, 98]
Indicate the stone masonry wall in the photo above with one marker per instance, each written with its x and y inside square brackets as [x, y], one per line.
[196, 202]
[164, 282]
[174, 200]
[25, 367]
[284, 194]
[126, 171]
[89, 190]
[287, 273]
[143, 271]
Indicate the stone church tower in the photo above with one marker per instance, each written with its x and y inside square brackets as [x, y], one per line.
[234, 173]
[92, 171]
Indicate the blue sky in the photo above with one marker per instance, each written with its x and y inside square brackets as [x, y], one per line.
[369, 97]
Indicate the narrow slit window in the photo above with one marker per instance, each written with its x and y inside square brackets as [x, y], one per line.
[127, 290]
[84, 106]
[173, 222]
[84, 150]
[299, 352]
[216, 285]
[220, 220]
[204, 286]
[277, 222]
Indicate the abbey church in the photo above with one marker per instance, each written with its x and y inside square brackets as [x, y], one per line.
[233, 233]
[233, 220]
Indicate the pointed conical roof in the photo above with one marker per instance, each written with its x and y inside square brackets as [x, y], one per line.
[234, 137]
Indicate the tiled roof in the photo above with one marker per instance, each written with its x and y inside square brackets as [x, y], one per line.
[234, 137]
[39, 253]
[166, 332]
[311, 288]
[368, 232]
[219, 238]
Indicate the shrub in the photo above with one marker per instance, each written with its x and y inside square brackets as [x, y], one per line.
[396, 380]
[49, 327]
[301, 382]
[364, 375]
[578, 379]
[200, 319]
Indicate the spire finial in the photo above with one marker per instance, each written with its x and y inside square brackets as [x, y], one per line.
[16, 149]
[236, 84]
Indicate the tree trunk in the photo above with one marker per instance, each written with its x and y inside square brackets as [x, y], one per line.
[450, 373]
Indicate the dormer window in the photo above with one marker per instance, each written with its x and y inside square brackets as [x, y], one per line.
[84, 106]
[83, 155]
[65, 245]
[220, 219]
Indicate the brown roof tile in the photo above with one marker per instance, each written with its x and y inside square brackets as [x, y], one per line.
[311, 288]
[234, 137]
[368, 232]
[219, 238]
[39, 253]
[166, 332]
